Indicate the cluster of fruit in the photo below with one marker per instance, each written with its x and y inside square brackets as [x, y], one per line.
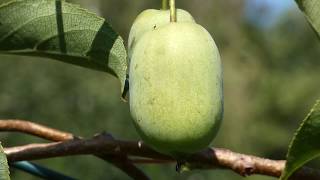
[176, 97]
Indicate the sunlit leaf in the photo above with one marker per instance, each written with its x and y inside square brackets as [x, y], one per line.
[61, 31]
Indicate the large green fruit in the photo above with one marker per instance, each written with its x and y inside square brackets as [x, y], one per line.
[151, 19]
[176, 97]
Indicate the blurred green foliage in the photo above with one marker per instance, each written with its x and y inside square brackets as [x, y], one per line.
[270, 75]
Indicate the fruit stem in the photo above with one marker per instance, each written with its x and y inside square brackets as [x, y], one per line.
[173, 11]
[165, 5]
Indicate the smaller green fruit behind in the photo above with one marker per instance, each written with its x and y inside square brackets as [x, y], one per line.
[151, 19]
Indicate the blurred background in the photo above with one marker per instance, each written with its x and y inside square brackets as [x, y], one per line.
[271, 66]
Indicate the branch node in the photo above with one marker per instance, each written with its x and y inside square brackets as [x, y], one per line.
[140, 143]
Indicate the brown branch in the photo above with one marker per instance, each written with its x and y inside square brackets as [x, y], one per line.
[244, 165]
[51, 134]
[97, 145]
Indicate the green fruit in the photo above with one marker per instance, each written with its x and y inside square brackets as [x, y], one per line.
[176, 97]
[151, 19]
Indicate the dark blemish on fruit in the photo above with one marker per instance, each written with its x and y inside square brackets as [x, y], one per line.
[146, 78]
[151, 101]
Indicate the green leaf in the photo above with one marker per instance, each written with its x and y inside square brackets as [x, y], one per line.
[305, 144]
[4, 168]
[62, 31]
[311, 9]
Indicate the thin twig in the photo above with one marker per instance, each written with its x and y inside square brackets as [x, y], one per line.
[125, 164]
[34, 129]
[51, 134]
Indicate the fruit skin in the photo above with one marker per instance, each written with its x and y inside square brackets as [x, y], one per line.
[176, 97]
[151, 19]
